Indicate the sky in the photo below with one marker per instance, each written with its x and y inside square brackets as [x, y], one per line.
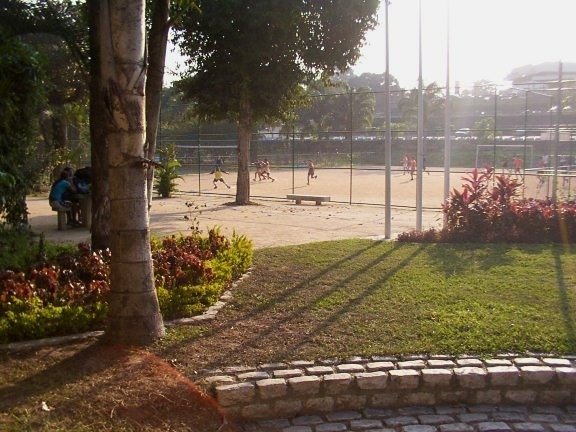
[488, 39]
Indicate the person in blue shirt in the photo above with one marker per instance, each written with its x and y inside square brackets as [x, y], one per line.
[61, 197]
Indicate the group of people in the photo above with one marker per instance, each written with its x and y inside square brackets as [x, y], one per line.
[517, 165]
[67, 192]
[409, 165]
[262, 170]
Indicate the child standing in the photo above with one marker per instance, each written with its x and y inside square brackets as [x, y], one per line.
[311, 171]
[218, 177]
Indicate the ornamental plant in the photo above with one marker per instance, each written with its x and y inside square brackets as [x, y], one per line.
[67, 294]
[489, 209]
[167, 174]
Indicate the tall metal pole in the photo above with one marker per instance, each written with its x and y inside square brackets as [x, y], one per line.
[199, 160]
[419, 149]
[350, 125]
[557, 130]
[293, 154]
[388, 143]
[447, 113]
[525, 140]
[495, 129]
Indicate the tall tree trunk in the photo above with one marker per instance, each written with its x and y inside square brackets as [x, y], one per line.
[244, 137]
[100, 230]
[134, 314]
[59, 130]
[157, 42]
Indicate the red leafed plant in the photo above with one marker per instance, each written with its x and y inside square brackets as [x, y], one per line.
[75, 279]
[489, 209]
[181, 261]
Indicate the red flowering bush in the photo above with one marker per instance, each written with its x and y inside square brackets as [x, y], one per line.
[489, 209]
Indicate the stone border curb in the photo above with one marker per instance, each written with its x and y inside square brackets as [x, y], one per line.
[306, 388]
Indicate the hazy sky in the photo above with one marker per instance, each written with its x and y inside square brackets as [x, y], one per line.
[488, 38]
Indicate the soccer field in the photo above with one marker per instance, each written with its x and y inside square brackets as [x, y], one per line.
[365, 185]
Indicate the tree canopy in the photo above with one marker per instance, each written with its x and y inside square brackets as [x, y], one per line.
[247, 60]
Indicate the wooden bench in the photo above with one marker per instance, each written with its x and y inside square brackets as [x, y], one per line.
[299, 198]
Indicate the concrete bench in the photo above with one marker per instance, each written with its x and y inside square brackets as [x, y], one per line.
[61, 220]
[299, 198]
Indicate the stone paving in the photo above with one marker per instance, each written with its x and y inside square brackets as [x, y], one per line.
[459, 418]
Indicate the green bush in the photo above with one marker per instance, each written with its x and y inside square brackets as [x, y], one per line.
[229, 260]
[32, 320]
[54, 291]
[166, 175]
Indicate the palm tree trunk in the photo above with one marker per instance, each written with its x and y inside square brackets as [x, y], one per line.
[134, 314]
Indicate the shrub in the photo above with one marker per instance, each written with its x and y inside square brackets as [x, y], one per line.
[482, 214]
[21, 249]
[193, 271]
[32, 320]
[167, 174]
[65, 294]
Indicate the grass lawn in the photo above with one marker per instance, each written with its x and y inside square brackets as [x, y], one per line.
[358, 297]
[314, 301]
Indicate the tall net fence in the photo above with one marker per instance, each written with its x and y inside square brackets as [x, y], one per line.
[518, 131]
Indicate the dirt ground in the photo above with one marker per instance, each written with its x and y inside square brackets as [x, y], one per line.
[275, 221]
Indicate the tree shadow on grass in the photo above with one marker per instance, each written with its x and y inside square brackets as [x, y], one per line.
[565, 304]
[286, 320]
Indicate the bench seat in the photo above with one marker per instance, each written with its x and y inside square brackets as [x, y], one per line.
[319, 199]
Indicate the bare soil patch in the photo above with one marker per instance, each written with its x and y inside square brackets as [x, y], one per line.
[90, 386]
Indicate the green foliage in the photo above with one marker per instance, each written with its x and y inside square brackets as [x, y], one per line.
[259, 55]
[490, 210]
[192, 272]
[166, 175]
[339, 107]
[20, 249]
[50, 291]
[21, 92]
[238, 257]
[32, 320]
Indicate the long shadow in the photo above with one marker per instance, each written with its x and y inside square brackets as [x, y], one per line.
[567, 311]
[357, 301]
[91, 360]
[284, 295]
[264, 333]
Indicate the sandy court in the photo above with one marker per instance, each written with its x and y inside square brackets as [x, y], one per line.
[275, 221]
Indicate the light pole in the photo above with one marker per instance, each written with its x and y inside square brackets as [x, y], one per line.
[447, 113]
[420, 142]
[388, 143]
[557, 138]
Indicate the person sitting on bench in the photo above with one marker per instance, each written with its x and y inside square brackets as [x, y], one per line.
[61, 197]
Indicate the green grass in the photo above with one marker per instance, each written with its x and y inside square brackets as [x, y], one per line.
[365, 298]
[315, 301]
